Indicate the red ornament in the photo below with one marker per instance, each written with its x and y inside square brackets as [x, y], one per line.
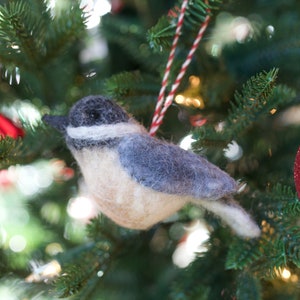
[117, 6]
[9, 128]
[197, 120]
[297, 172]
[174, 12]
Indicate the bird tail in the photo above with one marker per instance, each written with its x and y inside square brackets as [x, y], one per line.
[234, 216]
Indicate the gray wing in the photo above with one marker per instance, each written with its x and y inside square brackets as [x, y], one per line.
[168, 168]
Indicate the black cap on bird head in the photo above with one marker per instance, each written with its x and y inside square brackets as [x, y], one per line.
[89, 111]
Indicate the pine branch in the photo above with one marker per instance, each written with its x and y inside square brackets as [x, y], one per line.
[241, 254]
[133, 90]
[30, 37]
[278, 246]
[282, 96]
[257, 98]
[27, 149]
[251, 102]
[199, 278]
[73, 280]
[21, 32]
[84, 266]
[64, 29]
[292, 208]
[248, 287]
[160, 35]
[80, 267]
[120, 31]
[9, 149]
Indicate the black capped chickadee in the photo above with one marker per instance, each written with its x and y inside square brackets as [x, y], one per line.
[137, 180]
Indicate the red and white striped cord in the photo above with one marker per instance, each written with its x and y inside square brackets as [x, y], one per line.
[161, 96]
[163, 103]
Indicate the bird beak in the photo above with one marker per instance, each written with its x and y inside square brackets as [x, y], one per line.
[58, 122]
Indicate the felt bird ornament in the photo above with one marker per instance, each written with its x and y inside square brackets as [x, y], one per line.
[138, 180]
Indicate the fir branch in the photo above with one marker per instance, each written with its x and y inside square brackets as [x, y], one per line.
[123, 84]
[160, 35]
[64, 29]
[120, 31]
[102, 229]
[21, 31]
[134, 90]
[30, 37]
[251, 102]
[127, 84]
[96, 230]
[281, 193]
[292, 208]
[279, 245]
[281, 201]
[72, 280]
[258, 96]
[9, 150]
[207, 136]
[282, 96]
[81, 271]
[27, 149]
[195, 14]
[85, 263]
[248, 287]
[241, 254]
[192, 284]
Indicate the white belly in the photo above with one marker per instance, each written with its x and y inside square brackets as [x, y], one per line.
[120, 197]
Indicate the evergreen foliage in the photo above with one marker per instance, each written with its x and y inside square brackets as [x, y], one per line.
[250, 95]
[160, 36]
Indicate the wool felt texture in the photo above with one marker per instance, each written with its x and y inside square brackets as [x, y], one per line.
[138, 180]
[103, 132]
[169, 169]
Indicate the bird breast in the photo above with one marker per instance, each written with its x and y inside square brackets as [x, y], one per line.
[119, 196]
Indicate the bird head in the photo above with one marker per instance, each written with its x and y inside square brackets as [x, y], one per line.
[89, 111]
[94, 121]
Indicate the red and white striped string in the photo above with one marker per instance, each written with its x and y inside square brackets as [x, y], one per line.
[163, 103]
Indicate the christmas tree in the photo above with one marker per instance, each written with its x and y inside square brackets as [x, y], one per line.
[236, 104]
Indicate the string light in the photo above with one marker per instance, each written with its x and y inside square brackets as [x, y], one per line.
[191, 96]
[230, 29]
[286, 275]
[43, 272]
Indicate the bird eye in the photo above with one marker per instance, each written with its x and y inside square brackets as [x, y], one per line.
[94, 115]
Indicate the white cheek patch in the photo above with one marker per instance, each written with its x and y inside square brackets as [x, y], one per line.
[103, 132]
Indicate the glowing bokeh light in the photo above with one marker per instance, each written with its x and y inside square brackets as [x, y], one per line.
[8, 293]
[270, 30]
[233, 151]
[17, 243]
[81, 208]
[286, 274]
[100, 273]
[53, 249]
[229, 29]
[186, 142]
[192, 245]
[43, 272]
[95, 9]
